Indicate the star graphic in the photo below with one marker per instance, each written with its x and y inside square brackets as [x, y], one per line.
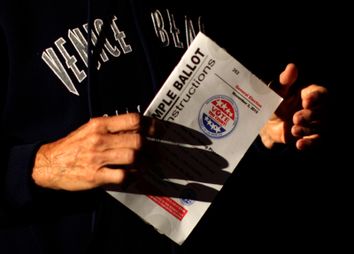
[217, 128]
[219, 103]
[210, 123]
[229, 113]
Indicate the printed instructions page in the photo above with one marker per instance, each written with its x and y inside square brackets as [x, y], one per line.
[211, 110]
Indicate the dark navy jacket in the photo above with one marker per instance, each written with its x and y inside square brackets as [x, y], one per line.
[50, 86]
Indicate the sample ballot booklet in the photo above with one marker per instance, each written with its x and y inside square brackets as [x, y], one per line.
[208, 113]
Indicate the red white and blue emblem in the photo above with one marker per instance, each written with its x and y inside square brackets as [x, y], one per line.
[218, 116]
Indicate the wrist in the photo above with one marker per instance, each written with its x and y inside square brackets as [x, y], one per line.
[41, 173]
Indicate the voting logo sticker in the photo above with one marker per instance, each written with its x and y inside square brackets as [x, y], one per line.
[218, 116]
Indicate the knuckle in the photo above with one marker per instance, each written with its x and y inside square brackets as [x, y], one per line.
[134, 120]
[92, 159]
[95, 124]
[95, 140]
[138, 141]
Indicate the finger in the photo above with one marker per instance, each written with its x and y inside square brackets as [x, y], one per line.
[172, 132]
[287, 78]
[308, 142]
[289, 75]
[306, 117]
[120, 156]
[111, 176]
[123, 140]
[301, 131]
[313, 96]
[113, 124]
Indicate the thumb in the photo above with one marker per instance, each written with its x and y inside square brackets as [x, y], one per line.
[287, 78]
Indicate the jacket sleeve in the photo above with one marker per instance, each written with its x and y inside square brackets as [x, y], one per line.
[16, 161]
[18, 185]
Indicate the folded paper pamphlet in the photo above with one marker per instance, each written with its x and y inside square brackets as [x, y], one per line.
[213, 109]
